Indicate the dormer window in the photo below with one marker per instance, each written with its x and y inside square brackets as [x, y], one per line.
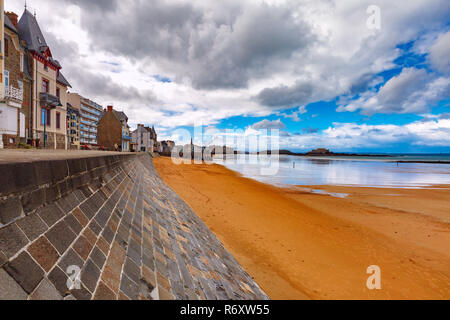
[39, 40]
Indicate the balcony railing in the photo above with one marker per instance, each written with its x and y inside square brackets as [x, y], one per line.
[13, 93]
[125, 137]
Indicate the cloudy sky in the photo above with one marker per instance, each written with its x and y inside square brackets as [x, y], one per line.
[326, 73]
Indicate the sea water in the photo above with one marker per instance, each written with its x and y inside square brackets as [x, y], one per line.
[344, 171]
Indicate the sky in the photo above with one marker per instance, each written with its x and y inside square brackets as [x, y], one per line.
[351, 76]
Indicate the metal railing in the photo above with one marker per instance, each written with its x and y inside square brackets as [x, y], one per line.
[13, 93]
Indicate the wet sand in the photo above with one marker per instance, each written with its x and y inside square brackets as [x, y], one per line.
[299, 245]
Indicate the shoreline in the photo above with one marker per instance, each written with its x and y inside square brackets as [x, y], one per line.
[299, 245]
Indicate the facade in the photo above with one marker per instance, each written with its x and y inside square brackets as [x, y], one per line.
[73, 127]
[144, 139]
[90, 113]
[113, 131]
[47, 114]
[166, 147]
[12, 120]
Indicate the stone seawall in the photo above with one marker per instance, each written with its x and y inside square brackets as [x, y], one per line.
[107, 227]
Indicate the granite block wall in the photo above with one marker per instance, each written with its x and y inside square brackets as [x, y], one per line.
[107, 228]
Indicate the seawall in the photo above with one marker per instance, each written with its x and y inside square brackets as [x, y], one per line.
[105, 226]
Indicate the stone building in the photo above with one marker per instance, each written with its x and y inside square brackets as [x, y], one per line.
[113, 131]
[47, 111]
[12, 120]
[145, 139]
[165, 147]
[73, 127]
[90, 113]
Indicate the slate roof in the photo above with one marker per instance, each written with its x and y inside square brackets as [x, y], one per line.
[61, 79]
[30, 31]
[119, 114]
[9, 24]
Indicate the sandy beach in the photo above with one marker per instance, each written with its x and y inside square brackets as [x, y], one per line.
[301, 245]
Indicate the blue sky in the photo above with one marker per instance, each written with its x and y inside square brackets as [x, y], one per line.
[354, 75]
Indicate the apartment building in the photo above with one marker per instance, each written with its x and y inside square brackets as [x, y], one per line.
[73, 127]
[90, 114]
[47, 114]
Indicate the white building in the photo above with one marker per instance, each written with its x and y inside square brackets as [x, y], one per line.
[145, 138]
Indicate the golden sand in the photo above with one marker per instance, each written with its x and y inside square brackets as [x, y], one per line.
[299, 245]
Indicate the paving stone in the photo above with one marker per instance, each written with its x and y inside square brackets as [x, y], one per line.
[50, 214]
[129, 287]
[82, 294]
[73, 223]
[132, 270]
[9, 289]
[90, 275]
[81, 217]
[32, 226]
[3, 259]
[83, 247]
[103, 245]
[12, 239]
[98, 257]
[164, 294]
[59, 279]
[104, 293]
[46, 291]
[71, 258]
[61, 236]
[95, 228]
[10, 209]
[25, 271]
[44, 253]
[90, 236]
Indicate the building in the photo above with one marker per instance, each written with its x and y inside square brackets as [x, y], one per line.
[12, 120]
[320, 152]
[165, 147]
[113, 131]
[73, 127]
[47, 113]
[90, 113]
[145, 139]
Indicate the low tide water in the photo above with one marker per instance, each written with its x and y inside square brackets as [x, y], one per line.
[343, 171]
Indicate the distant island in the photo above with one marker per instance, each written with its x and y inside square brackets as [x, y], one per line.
[321, 152]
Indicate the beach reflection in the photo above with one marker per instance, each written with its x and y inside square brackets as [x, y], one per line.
[304, 171]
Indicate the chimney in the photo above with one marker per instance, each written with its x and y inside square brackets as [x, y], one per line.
[13, 17]
[110, 108]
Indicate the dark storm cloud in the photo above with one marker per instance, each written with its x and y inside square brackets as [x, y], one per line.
[90, 83]
[284, 96]
[217, 47]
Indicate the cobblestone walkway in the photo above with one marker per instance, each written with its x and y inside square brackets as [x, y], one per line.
[131, 237]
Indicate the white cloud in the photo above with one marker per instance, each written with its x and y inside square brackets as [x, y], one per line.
[268, 125]
[221, 55]
[440, 53]
[412, 91]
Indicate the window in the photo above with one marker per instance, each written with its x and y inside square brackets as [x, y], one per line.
[6, 47]
[6, 72]
[58, 92]
[45, 86]
[21, 62]
[20, 83]
[58, 120]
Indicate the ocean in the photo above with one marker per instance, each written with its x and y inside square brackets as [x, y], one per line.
[343, 171]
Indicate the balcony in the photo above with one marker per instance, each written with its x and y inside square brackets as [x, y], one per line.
[12, 93]
[49, 101]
